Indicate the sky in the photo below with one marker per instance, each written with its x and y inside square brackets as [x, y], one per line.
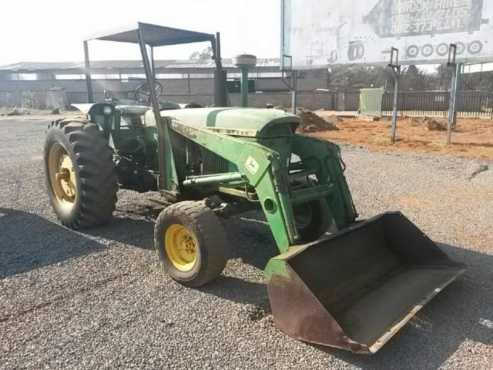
[53, 30]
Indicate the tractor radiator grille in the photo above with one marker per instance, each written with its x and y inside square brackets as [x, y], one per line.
[212, 163]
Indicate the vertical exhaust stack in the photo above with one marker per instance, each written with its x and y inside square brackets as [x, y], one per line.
[245, 63]
[357, 288]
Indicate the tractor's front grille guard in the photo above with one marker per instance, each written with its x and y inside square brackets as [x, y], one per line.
[299, 180]
[311, 171]
[315, 171]
[305, 183]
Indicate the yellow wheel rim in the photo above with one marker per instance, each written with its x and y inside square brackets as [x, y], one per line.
[62, 176]
[181, 247]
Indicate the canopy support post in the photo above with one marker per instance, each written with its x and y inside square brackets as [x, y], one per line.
[156, 109]
[87, 72]
[153, 62]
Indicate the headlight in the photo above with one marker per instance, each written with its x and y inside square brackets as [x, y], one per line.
[107, 110]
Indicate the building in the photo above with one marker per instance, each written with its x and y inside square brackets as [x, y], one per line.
[46, 85]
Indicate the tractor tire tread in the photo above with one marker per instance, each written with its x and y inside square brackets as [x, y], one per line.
[211, 231]
[97, 175]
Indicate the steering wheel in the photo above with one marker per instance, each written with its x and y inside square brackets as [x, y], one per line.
[143, 92]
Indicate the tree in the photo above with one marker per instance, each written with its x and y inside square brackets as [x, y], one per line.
[357, 77]
[202, 56]
[443, 77]
[414, 79]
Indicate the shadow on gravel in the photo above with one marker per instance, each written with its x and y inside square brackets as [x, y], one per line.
[133, 232]
[240, 291]
[462, 312]
[251, 239]
[28, 242]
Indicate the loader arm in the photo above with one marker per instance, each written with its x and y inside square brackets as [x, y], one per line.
[262, 168]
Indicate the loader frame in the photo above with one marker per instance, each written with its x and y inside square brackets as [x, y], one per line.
[264, 169]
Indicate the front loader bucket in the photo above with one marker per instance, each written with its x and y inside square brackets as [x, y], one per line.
[357, 288]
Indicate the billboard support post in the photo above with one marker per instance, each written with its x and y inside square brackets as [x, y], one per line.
[454, 88]
[396, 73]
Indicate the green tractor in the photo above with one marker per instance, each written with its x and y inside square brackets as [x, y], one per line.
[338, 281]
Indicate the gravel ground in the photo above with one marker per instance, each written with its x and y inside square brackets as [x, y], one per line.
[98, 299]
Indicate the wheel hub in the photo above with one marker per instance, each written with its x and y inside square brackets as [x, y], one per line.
[62, 176]
[181, 247]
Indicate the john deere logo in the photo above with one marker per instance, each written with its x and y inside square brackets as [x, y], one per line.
[252, 165]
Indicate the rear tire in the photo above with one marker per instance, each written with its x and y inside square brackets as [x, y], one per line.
[191, 243]
[80, 176]
[312, 220]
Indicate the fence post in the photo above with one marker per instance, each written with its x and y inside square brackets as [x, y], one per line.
[452, 114]
[490, 102]
[396, 73]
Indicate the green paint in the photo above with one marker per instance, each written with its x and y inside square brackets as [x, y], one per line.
[276, 267]
[246, 153]
[255, 122]
[279, 265]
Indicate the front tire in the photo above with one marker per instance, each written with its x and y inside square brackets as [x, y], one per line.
[312, 220]
[80, 176]
[191, 243]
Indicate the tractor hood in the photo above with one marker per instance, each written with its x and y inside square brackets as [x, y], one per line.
[247, 122]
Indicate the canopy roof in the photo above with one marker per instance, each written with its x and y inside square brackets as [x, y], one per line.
[155, 35]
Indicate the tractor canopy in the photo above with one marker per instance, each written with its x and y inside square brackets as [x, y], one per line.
[246, 122]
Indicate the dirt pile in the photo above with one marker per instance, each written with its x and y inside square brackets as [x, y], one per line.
[434, 124]
[311, 122]
[18, 112]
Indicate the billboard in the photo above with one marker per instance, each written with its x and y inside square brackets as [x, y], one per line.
[318, 33]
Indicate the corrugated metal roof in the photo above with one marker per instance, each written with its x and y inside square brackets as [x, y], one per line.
[125, 64]
[38, 66]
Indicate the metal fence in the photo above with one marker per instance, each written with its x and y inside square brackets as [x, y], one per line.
[473, 104]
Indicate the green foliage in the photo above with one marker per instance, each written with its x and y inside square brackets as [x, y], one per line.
[415, 79]
[412, 79]
[357, 77]
[202, 56]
